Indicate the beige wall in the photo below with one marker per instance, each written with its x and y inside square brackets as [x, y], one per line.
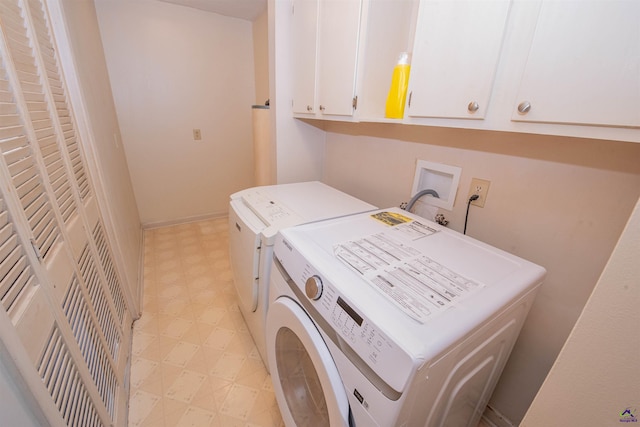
[118, 203]
[595, 377]
[559, 202]
[173, 69]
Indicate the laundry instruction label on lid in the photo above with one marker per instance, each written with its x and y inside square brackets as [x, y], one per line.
[391, 218]
[414, 282]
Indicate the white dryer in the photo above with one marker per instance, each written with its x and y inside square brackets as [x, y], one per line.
[388, 319]
[255, 216]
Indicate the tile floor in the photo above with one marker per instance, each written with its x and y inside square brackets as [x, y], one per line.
[194, 362]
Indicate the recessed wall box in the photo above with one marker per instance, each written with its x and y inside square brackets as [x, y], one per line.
[443, 179]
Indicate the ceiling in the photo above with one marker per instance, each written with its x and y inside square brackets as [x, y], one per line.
[244, 9]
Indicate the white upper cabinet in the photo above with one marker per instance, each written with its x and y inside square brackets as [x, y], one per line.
[325, 37]
[553, 67]
[339, 27]
[584, 65]
[304, 27]
[456, 51]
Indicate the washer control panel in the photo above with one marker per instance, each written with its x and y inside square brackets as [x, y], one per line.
[368, 342]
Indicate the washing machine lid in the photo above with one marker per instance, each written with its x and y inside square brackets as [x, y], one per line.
[286, 205]
[423, 285]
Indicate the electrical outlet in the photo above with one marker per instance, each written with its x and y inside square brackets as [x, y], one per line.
[197, 135]
[481, 188]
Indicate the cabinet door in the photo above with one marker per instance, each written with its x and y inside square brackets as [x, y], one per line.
[338, 50]
[65, 316]
[304, 26]
[584, 65]
[455, 56]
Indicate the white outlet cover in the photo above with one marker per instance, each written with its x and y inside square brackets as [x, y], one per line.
[442, 178]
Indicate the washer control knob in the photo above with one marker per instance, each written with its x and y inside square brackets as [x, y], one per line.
[313, 287]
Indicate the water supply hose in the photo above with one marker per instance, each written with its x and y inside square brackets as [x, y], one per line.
[417, 196]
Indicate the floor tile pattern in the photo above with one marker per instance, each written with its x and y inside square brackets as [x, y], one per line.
[194, 362]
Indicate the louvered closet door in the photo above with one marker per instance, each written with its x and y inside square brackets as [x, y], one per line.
[66, 314]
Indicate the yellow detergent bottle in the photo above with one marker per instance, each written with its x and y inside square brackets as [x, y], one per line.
[398, 91]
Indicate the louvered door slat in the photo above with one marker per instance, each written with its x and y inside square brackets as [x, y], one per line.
[16, 276]
[15, 279]
[48, 365]
[99, 302]
[12, 154]
[78, 314]
[35, 205]
[56, 360]
[12, 143]
[37, 107]
[79, 363]
[71, 404]
[25, 63]
[61, 104]
[6, 227]
[13, 32]
[29, 187]
[45, 133]
[30, 87]
[38, 115]
[7, 247]
[36, 102]
[62, 375]
[25, 179]
[28, 74]
[10, 130]
[48, 150]
[10, 7]
[43, 123]
[109, 269]
[11, 122]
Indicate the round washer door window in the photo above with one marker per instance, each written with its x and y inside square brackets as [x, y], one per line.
[305, 378]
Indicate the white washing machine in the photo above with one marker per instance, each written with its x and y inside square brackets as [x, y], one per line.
[255, 216]
[388, 319]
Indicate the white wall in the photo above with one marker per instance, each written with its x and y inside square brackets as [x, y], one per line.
[118, 203]
[595, 377]
[559, 202]
[173, 69]
[261, 57]
[17, 406]
[299, 146]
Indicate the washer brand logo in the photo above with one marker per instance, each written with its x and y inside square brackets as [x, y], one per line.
[628, 416]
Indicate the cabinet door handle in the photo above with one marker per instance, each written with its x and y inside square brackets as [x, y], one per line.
[473, 107]
[322, 108]
[309, 108]
[524, 107]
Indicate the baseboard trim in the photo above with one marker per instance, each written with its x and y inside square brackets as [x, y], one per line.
[160, 224]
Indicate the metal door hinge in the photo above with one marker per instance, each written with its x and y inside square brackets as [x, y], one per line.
[34, 245]
[355, 102]
[410, 93]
